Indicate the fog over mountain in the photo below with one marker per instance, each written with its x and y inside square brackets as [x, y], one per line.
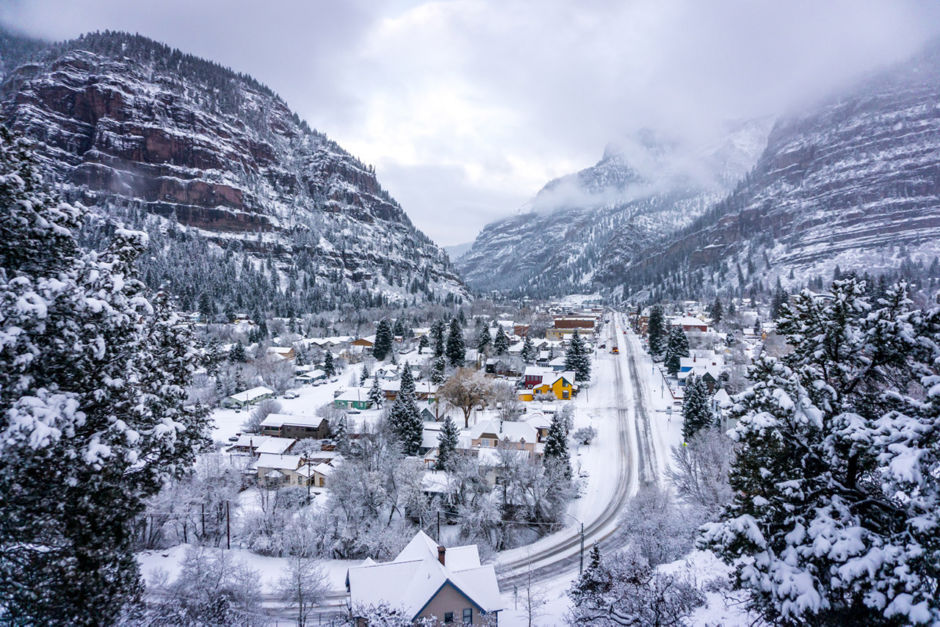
[467, 108]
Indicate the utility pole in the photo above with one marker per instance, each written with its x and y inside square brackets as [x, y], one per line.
[228, 532]
[202, 507]
[438, 526]
[581, 564]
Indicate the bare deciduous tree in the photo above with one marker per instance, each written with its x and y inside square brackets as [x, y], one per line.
[466, 389]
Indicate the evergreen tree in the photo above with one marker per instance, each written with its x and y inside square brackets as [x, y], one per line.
[237, 354]
[577, 358]
[376, 395]
[593, 581]
[341, 435]
[676, 348]
[483, 340]
[399, 329]
[365, 374]
[329, 368]
[656, 331]
[696, 408]
[716, 311]
[455, 346]
[780, 298]
[404, 416]
[528, 351]
[447, 444]
[93, 411]
[501, 342]
[438, 371]
[422, 344]
[835, 477]
[383, 340]
[556, 446]
[437, 337]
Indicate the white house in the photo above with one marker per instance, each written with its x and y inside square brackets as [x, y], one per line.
[244, 399]
[428, 581]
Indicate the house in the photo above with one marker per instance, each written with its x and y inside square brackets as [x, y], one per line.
[311, 376]
[427, 581]
[247, 398]
[561, 384]
[557, 364]
[284, 352]
[541, 423]
[353, 398]
[689, 323]
[254, 444]
[362, 344]
[520, 330]
[495, 433]
[274, 469]
[533, 376]
[299, 427]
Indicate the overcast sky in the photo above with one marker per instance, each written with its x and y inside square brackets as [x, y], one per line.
[467, 108]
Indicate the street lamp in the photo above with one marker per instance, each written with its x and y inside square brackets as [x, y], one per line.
[581, 558]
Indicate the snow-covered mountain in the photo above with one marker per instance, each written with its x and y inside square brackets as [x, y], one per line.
[583, 228]
[128, 123]
[853, 183]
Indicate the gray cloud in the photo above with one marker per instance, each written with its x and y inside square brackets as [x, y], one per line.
[468, 107]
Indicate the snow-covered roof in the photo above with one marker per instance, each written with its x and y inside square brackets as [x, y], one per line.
[687, 321]
[277, 446]
[278, 462]
[415, 577]
[514, 431]
[249, 395]
[537, 371]
[436, 481]
[276, 421]
[722, 399]
[353, 394]
[539, 420]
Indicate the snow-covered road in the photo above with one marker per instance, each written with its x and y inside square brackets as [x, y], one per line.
[626, 455]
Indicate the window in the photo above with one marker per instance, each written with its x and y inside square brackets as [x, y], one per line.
[468, 616]
[448, 617]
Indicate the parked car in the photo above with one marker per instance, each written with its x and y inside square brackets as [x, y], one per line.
[291, 395]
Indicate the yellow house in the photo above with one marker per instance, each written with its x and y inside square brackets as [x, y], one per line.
[561, 385]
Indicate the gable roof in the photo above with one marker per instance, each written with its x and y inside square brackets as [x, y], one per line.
[415, 577]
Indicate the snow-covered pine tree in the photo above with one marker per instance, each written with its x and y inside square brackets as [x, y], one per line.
[656, 331]
[422, 344]
[364, 374]
[577, 359]
[237, 353]
[528, 350]
[501, 341]
[696, 408]
[484, 340]
[405, 417]
[716, 311]
[837, 476]
[329, 368]
[383, 340]
[456, 352]
[438, 371]
[437, 337]
[341, 434]
[556, 446]
[676, 349]
[375, 392]
[447, 444]
[93, 416]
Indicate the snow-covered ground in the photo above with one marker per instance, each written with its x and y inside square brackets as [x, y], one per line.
[596, 465]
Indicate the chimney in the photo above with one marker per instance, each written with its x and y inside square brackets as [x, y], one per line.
[440, 554]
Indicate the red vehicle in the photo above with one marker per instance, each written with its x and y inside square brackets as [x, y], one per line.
[615, 350]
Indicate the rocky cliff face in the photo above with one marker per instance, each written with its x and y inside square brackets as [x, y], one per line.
[124, 121]
[583, 229]
[854, 183]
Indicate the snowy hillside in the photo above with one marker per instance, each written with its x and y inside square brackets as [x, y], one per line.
[124, 121]
[854, 183]
[583, 228]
